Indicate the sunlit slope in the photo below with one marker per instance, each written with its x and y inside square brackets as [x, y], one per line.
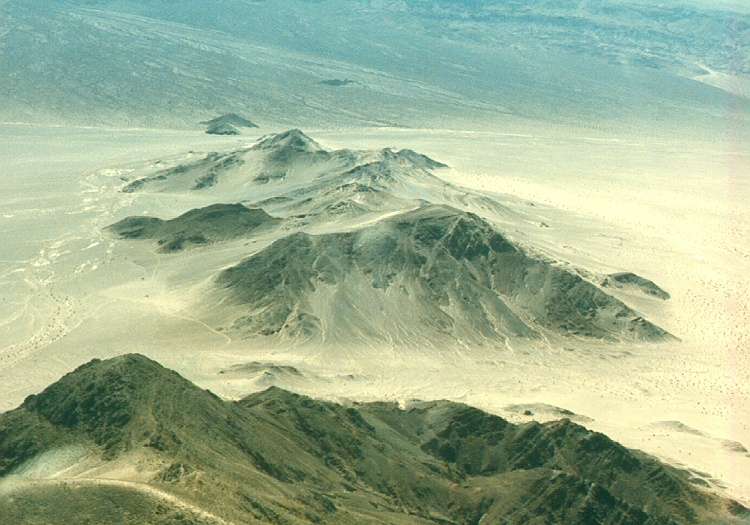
[131, 435]
[357, 63]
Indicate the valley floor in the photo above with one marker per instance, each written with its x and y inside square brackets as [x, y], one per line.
[669, 209]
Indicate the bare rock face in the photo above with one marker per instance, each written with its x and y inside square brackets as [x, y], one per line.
[276, 456]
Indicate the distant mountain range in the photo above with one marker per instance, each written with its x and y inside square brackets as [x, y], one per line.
[345, 62]
[369, 248]
[127, 441]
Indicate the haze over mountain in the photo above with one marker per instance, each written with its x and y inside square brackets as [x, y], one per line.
[603, 64]
[128, 437]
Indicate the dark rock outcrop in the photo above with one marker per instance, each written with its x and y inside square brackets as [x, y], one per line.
[629, 280]
[218, 222]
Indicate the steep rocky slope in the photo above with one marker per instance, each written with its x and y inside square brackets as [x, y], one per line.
[278, 457]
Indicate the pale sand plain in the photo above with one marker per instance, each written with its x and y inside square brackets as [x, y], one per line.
[669, 209]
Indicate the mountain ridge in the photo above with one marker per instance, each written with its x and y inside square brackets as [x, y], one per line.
[464, 278]
[297, 459]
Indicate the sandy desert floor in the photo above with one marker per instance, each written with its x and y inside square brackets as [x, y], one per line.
[669, 209]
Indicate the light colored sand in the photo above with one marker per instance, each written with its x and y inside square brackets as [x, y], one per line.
[672, 211]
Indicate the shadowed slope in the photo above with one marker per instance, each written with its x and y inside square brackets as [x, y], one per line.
[280, 457]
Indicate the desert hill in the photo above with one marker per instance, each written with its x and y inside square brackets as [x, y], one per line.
[602, 139]
[227, 124]
[132, 436]
[369, 248]
[424, 275]
[232, 119]
[222, 129]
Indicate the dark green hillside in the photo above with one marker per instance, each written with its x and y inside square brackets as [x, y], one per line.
[278, 457]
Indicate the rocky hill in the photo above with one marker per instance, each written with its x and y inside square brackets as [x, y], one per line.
[231, 119]
[422, 276]
[370, 248]
[130, 437]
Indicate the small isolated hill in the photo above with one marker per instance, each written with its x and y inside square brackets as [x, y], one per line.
[158, 449]
[230, 119]
[215, 223]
